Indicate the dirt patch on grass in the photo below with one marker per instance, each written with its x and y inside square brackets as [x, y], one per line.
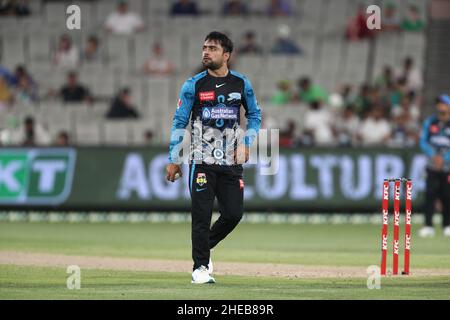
[220, 268]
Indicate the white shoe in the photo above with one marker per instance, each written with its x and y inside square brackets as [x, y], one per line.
[447, 232]
[201, 275]
[426, 232]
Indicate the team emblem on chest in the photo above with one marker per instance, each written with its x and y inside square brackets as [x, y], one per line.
[201, 179]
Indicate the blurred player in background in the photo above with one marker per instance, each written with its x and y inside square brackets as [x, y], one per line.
[211, 100]
[435, 142]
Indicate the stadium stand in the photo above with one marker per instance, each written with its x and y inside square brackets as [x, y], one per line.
[318, 26]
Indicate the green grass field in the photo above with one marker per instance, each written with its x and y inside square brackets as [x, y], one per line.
[321, 245]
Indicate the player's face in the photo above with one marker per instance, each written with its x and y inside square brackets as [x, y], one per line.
[213, 56]
[443, 112]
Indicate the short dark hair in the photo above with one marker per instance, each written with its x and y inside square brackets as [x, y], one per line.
[93, 38]
[124, 90]
[63, 134]
[413, 8]
[304, 81]
[250, 34]
[65, 36]
[29, 120]
[221, 38]
[72, 73]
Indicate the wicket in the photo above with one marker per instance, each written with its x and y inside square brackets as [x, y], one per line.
[384, 232]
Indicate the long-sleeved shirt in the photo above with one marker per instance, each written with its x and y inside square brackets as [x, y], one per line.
[212, 105]
[435, 140]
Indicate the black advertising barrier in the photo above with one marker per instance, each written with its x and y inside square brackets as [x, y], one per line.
[133, 178]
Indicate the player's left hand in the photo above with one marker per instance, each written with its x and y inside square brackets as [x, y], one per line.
[438, 162]
[242, 154]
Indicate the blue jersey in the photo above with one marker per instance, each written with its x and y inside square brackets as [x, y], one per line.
[212, 105]
[435, 140]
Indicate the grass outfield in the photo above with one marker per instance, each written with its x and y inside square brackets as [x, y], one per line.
[49, 283]
[325, 245]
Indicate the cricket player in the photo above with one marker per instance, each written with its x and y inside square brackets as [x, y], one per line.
[435, 143]
[211, 101]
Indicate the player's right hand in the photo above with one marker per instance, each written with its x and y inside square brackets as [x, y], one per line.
[171, 170]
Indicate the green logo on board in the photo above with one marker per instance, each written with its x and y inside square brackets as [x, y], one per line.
[36, 176]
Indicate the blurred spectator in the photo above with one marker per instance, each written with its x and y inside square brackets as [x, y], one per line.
[158, 64]
[15, 8]
[284, 94]
[375, 129]
[287, 137]
[279, 8]
[91, 52]
[8, 130]
[363, 100]
[184, 7]
[405, 131]
[318, 121]
[285, 45]
[413, 76]
[25, 92]
[310, 92]
[148, 137]
[20, 72]
[398, 91]
[62, 140]
[67, 54]
[31, 134]
[6, 94]
[412, 21]
[389, 19]
[73, 91]
[386, 78]
[250, 46]
[357, 26]
[124, 22]
[379, 97]
[121, 106]
[234, 8]
[341, 98]
[408, 107]
[346, 126]
[7, 75]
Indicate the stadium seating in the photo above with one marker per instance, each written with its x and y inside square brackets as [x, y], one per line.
[318, 27]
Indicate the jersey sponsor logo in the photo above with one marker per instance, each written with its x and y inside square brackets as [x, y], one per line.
[434, 129]
[234, 96]
[207, 96]
[440, 141]
[222, 112]
[206, 114]
[179, 103]
[201, 179]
